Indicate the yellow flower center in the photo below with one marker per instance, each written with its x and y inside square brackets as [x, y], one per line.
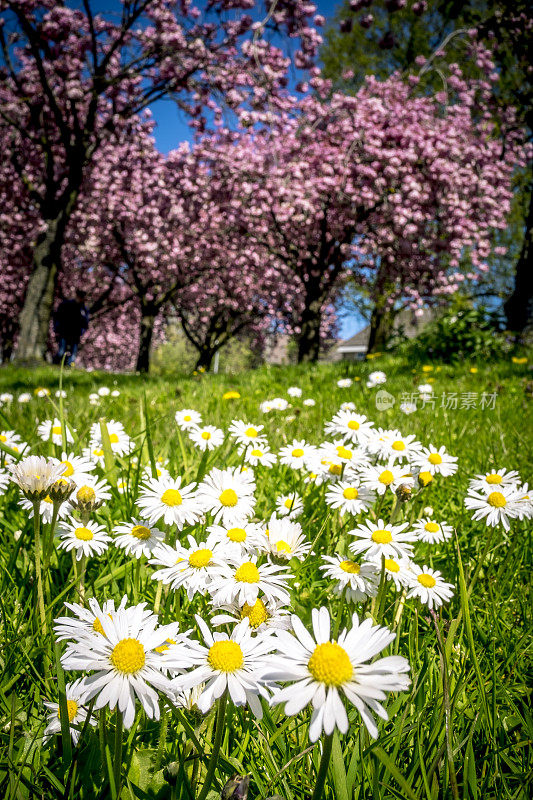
[425, 478]
[283, 547]
[330, 664]
[343, 452]
[200, 558]
[353, 425]
[98, 452]
[335, 469]
[297, 452]
[206, 435]
[83, 534]
[497, 500]
[391, 565]
[386, 477]
[382, 536]
[140, 532]
[350, 566]
[225, 656]
[350, 493]
[113, 438]
[56, 430]
[257, 453]
[69, 469]
[128, 656]
[435, 458]
[86, 494]
[236, 534]
[3, 438]
[98, 627]
[493, 478]
[257, 614]
[431, 527]
[171, 497]
[163, 647]
[398, 445]
[288, 503]
[250, 432]
[428, 581]
[248, 573]
[72, 710]
[187, 418]
[229, 498]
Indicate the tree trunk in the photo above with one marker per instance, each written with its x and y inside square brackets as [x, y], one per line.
[205, 359]
[519, 306]
[309, 337]
[381, 327]
[148, 316]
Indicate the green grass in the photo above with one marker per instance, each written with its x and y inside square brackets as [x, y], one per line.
[463, 730]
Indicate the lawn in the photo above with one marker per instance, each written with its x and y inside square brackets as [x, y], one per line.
[462, 729]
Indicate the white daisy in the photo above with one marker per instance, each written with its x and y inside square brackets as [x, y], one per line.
[376, 378]
[427, 584]
[350, 497]
[6, 398]
[294, 391]
[284, 539]
[138, 538]
[206, 437]
[356, 581]
[379, 539]
[12, 440]
[46, 508]
[425, 388]
[4, 481]
[320, 670]
[160, 472]
[192, 567]
[126, 662]
[279, 404]
[115, 393]
[77, 468]
[25, 397]
[228, 495]
[435, 461]
[344, 383]
[243, 580]
[289, 505]
[524, 502]
[397, 570]
[35, 475]
[497, 507]
[246, 433]
[309, 402]
[225, 663]
[119, 439]
[165, 498]
[352, 427]
[260, 454]
[380, 477]
[86, 539]
[95, 453]
[244, 535]
[104, 391]
[493, 480]
[297, 454]
[408, 408]
[188, 419]
[263, 615]
[392, 445]
[428, 530]
[77, 714]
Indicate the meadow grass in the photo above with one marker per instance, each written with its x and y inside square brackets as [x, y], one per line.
[464, 728]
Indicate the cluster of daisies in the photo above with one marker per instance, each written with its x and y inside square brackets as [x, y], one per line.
[221, 546]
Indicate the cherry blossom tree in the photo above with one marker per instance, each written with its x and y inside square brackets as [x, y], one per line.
[72, 80]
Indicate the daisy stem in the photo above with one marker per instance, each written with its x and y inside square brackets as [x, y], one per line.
[157, 601]
[323, 768]
[81, 576]
[37, 534]
[117, 757]
[213, 759]
[447, 708]
[48, 542]
[137, 581]
[379, 601]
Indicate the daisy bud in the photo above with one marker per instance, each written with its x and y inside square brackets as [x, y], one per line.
[425, 478]
[61, 490]
[85, 500]
[236, 788]
[404, 492]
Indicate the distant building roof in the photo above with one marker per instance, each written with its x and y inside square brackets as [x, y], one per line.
[355, 344]
[406, 323]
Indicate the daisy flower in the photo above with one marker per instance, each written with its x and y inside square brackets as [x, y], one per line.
[46, 508]
[165, 498]
[284, 539]
[233, 663]
[77, 714]
[95, 453]
[192, 567]
[427, 530]
[321, 671]
[392, 445]
[427, 584]
[261, 455]
[41, 391]
[187, 419]
[6, 398]
[378, 539]
[126, 663]
[104, 391]
[408, 408]
[12, 440]
[376, 378]
[263, 615]
[350, 497]
[279, 404]
[429, 459]
[265, 407]
[87, 539]
[228, 495]
[119, 439]
[77, 468]
[246, 433]
[207, 437]
[309, 402]
[294, 391]
[524, 502]
[244, 535]
[4, 481]
[497, 507]
[115, 393]
[138, 538]
[297, 454]
[425, 388]
[35, 475]
[243, 580]
[25, 397]
[397, 570]
[356, 581]
[381, 477]
[352, 427]
[344, 383]
[493, 480]
[86, 621]
[289, 505]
